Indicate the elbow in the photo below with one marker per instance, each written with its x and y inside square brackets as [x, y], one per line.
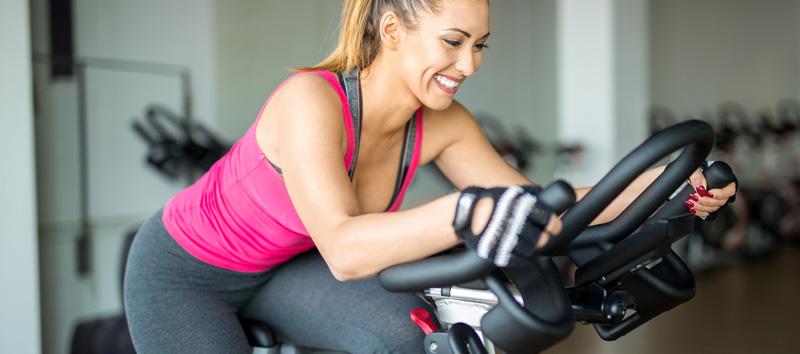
[345, 269]
[342, 259]
[340, 267]
[342, 276]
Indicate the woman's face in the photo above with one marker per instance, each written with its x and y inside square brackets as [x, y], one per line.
[444, 49]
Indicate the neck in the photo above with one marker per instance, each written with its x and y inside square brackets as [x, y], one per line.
[387, 103]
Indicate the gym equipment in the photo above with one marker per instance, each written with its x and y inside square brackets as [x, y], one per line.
[765, 147]
[516, 149]
[178, 147]
[626, 272]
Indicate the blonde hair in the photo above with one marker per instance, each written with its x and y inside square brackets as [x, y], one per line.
[359, 37]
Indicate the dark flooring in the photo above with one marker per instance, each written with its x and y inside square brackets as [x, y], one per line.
[746, 308]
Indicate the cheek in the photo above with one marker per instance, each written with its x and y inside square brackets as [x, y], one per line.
[478, 61]
[424, 56]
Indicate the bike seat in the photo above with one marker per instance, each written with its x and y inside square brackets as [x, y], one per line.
[258, 333]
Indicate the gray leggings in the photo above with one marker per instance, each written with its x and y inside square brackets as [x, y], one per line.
[176, 303]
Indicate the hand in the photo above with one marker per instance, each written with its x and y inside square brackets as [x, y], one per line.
[705, 202]
[552, 229]
[499, 221]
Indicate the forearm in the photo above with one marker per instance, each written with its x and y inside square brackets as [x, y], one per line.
[370, 243]
[626, 197]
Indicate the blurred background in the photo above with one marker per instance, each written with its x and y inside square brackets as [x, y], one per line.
[112, 106]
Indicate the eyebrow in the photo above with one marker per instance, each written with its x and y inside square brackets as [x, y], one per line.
[455, 29]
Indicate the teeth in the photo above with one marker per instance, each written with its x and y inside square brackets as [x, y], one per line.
[446, 82]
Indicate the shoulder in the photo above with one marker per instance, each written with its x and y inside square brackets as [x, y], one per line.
[305, 98]
[305, 88]
[455, 116]
[451, 122]
[305, 107]
[446, 127]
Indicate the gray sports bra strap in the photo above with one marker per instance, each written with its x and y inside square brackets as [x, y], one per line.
[352, 88]
[405, 161]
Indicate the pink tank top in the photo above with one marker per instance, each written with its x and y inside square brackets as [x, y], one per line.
[239, 216]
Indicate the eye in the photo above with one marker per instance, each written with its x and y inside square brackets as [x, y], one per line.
[453, 42]
[481, 46]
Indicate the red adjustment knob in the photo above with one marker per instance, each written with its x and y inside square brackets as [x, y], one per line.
[423, 319]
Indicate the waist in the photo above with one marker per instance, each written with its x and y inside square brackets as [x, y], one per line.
[239, 235]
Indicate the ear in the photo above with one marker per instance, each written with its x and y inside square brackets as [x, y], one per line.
[391, 30]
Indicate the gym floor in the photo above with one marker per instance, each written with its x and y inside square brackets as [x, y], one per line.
[749, 308]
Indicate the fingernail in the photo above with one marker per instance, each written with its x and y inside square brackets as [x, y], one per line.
[688, 204]
[694, 197]
[709, 194]
[692, 211]
[701, 191]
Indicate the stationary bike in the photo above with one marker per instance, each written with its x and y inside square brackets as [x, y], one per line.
[626, 272]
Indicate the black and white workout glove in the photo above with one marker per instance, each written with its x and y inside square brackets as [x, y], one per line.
[516, 222]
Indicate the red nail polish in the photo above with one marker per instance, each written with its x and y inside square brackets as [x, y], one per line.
[692, 211]
[694, 197]
[709, 194]
[701, 191]
[688, 204]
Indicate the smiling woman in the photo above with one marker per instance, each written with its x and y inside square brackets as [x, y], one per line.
[239, 229]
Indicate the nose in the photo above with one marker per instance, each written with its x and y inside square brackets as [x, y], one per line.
[467, 63]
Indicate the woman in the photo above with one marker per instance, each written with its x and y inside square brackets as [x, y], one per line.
[284, 189]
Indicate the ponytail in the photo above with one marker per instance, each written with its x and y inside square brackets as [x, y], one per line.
[359, 37]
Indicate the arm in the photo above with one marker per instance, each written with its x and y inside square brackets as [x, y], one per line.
[473, 146]
[625, 198]
[703, 204]
[353, 245]
[467, 158]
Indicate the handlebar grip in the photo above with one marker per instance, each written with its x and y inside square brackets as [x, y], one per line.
[718, 175]
[558, 196]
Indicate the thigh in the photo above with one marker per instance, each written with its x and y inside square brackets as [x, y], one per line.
[305, 305]
[175, 303]
[183, 322]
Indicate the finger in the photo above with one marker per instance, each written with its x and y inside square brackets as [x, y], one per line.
[725, 192]
[697, 179]
[705, 208]
[711, 202]
[704, 204]
[558, 228]
[543, 238]
[554, 226]
[701, 214]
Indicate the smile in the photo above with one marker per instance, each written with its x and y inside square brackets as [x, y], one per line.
[447, 84]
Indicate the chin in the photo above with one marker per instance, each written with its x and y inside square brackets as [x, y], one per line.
[438, 103]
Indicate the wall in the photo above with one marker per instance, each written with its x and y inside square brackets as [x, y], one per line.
[123, 190]
[19, 269]
[707, 52]
[257, 44]
[632, 74]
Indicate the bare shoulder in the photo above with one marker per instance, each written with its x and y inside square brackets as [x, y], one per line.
[307, 104]
[445, 127]
[306, 90]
